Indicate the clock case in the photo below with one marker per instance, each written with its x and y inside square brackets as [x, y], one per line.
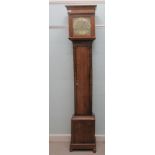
[83, 120]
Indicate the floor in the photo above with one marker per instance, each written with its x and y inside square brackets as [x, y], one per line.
[62, 148]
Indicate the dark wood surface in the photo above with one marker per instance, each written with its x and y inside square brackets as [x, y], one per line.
[85, 127]
[83, 77]
[83, 122]
[83, 133]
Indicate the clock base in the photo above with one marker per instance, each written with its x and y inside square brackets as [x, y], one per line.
[83, 133]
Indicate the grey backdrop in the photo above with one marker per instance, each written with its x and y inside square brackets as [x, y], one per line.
[61, 90]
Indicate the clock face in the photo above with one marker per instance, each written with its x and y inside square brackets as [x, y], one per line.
[81, 26]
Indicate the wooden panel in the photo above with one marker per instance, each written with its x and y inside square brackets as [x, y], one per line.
[83, 129]
[83, 91]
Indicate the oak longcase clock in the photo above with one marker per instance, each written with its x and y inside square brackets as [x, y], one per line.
[82, 34]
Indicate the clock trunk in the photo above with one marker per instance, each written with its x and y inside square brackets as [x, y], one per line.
[83, 77]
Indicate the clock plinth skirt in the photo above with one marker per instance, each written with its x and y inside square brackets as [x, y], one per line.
[82, 34]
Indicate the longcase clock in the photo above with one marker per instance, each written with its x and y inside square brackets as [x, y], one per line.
[82, 34]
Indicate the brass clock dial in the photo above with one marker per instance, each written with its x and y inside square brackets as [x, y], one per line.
[81, 26]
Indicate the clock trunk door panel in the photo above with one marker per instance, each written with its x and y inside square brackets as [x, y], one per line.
[82, 80]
